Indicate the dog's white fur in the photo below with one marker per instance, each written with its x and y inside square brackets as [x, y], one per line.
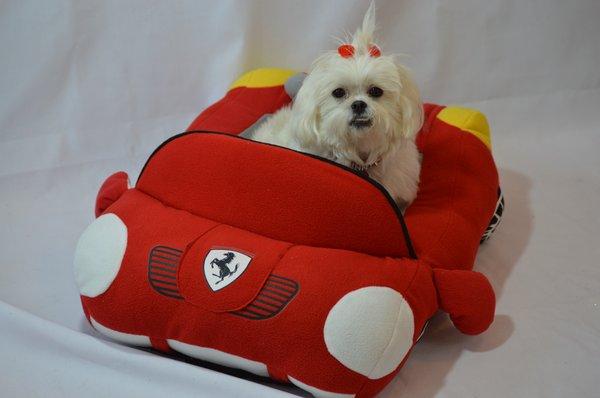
[320, 124]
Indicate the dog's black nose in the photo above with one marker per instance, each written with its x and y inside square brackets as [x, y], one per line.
[358, 107]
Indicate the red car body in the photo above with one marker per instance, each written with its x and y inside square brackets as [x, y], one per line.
[333, 286]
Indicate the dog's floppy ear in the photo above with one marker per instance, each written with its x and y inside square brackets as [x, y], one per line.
[410, 103]
[305, 117]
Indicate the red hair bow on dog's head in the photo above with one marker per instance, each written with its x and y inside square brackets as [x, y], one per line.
[374, 51]
[348, 50]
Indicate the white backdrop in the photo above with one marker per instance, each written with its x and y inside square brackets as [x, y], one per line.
[90, 87]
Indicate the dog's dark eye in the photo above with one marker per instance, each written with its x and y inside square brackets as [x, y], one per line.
[375, 92]
[338, 92]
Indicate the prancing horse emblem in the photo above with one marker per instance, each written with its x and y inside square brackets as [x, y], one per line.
[224, 270]
[222, 267]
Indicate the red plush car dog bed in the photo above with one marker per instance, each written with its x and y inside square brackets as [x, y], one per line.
[287, 265]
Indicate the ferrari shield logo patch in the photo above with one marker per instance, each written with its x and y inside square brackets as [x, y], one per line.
[222, 267]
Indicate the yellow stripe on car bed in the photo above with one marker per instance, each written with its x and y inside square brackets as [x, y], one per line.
[263, 77]
[469, 120]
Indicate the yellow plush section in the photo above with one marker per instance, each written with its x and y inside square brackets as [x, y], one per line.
[469, 120]
[263, 77]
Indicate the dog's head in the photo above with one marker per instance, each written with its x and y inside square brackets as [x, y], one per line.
[357, 102]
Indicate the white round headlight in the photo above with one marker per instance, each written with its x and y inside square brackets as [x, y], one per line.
[99, 254]
[370, 330]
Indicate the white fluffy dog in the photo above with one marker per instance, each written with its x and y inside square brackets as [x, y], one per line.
[358, 108]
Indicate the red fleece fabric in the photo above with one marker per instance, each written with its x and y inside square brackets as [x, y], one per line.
[468, 298]
[111, 190]
[302, 220]
[240, 108]
[275, 192]
[457, 194]
[131, 305]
